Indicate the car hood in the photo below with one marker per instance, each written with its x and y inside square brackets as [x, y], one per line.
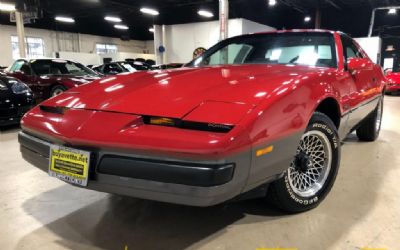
[175, 93]
[394, 77]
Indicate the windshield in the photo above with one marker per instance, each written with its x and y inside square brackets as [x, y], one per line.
[303, 48]
[60, 67]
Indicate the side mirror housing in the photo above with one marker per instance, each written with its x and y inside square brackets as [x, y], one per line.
[356, 64]
[388, 71]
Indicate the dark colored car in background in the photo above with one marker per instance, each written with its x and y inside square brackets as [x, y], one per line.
[15, 100]
[115, 68]
[51, 77]
[167, 66]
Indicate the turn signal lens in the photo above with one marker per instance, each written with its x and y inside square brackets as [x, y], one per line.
[177, 123]
[162, 121]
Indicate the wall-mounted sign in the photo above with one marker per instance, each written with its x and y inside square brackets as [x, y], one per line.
[198, 52]
[161, 49]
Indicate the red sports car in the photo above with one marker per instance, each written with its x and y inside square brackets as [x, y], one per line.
[393, 82]
[254, 111]
[51, 77]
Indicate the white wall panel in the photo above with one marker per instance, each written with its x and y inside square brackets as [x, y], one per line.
[67, 42]
[372, 46]
[183, 39]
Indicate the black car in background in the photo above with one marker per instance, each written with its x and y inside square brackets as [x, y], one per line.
[16, 98]
[167, 66]
[115, 68]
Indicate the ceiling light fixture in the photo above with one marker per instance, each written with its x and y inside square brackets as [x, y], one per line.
[7, 7]
[64, 19]
[205, 13]
[390, 48]
[272, 2]
[149, 11]
[307, 19]
[392, 12]
[152, 30]
[113, 19]
[121, 27]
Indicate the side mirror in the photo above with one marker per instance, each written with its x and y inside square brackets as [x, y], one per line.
[388, 71]
[356, 64]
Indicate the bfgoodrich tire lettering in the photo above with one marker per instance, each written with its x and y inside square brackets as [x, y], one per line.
[313, 171]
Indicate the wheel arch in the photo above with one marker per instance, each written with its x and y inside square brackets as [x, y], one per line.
[54, 84]
[330, 107]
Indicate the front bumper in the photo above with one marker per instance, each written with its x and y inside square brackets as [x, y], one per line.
[392, 87]
[197, 183]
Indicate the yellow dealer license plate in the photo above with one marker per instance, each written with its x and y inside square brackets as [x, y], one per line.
[70, 165]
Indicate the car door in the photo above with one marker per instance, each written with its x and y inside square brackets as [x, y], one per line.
[360, 83]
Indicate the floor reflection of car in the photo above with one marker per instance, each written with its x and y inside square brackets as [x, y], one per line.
[393, 81]
[115, 68]
[51, 77]
[15, 100]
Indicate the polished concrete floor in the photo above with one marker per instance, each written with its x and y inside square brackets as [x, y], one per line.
[39, 212]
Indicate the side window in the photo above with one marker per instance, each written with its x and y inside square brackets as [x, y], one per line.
[26, 69]
[41, 67]
[350, 50]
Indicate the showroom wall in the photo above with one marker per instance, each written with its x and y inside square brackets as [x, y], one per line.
[372, 46]
[182, 39]
[68, 42]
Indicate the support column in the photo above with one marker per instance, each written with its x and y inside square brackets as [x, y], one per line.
[223, 19]
[21, 33]
[164, 43]
[318, 18]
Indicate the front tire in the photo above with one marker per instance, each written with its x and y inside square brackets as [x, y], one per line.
[313, 170]
[371, 126]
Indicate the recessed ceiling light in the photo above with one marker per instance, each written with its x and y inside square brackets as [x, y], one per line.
[64, 19]
[113, 19]
[392, 11]
[121, 27]
[7, 7]
[390, 48]
[272, 2]
[152, 30]
[205, 13]
[149, 11]
[307, 19]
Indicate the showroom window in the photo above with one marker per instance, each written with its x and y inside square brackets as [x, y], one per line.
[106, 48]
[34, 47]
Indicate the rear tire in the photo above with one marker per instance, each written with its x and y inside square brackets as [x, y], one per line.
[313, 171]
[57, 90]
[371, 126]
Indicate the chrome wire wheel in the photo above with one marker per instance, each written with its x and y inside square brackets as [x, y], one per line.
[310, 168]
[57, 92]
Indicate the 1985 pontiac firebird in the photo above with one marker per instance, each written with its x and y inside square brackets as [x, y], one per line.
[253, 110]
